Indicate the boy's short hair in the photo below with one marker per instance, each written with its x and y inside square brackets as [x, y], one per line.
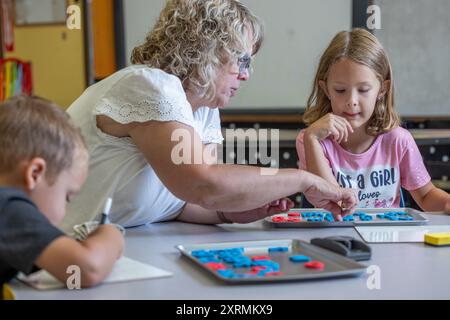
[34, 127]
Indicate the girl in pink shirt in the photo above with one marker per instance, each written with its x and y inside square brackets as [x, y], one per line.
[353, 137]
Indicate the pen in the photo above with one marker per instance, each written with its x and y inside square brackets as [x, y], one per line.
[105, 213]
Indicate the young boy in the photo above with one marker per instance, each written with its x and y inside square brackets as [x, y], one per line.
[43, 163]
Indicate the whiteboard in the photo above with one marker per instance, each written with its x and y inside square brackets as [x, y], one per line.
[297, 32]
[40, 12]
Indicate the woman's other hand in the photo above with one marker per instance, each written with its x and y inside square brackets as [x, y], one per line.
[275, 207]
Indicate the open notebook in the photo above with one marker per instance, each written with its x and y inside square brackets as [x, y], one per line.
[125, 269]
[389, 234]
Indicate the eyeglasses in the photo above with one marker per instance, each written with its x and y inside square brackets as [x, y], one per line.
[244, 64]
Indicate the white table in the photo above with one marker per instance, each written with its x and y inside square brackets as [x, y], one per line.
[408, 270]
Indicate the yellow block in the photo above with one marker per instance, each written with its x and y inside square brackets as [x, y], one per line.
[438, 239]
[8, 294]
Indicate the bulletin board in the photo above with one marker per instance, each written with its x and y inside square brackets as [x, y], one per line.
[32, 12]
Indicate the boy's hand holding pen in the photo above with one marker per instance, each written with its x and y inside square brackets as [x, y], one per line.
[105, 213]
[82, 231]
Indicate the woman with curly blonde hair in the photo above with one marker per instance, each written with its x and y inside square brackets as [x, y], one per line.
[191, 63]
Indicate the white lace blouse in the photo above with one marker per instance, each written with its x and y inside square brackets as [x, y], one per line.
[117, 168]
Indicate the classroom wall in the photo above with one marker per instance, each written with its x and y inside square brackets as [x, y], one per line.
[57, 56]
[416, 35]
[140, 16]
[297, 31]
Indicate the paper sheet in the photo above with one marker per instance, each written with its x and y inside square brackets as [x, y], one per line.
[125, 269]
[380, 234]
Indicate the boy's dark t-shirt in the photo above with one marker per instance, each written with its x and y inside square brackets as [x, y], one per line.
[24, 233]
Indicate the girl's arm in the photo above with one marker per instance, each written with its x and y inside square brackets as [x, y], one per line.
[430, 198]
[316, 162]
[329, 125]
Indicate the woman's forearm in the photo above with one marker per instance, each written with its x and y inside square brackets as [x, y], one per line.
[240, 188]
[193, 213]
[213, 186]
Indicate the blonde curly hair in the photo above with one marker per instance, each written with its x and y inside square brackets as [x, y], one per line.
[361, 47]
[193, 39]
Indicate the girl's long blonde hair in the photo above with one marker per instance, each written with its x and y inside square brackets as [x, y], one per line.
[361, 47]
[192, 39]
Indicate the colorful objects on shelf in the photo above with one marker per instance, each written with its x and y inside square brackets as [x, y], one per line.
[15, 78]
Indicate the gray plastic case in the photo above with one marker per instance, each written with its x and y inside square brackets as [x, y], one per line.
[418, 219]
[335, 265]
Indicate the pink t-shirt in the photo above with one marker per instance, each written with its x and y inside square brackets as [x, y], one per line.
[392, 161]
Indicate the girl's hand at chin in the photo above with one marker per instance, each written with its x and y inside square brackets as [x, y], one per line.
[330, 125]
